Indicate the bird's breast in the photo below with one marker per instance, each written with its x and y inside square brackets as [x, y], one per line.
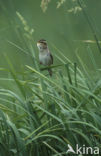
[45, 59]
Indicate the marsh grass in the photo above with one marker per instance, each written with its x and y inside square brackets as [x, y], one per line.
[44, 114]
[40, 115]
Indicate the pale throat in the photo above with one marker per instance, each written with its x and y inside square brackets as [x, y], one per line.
[44, 51]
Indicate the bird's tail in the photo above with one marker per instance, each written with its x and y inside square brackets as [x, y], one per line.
[50, 72]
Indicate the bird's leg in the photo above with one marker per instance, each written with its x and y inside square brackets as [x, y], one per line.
[50, 71]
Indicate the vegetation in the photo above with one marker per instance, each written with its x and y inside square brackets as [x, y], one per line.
[40, 115]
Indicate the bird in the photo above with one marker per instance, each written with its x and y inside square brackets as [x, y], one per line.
[45, 56]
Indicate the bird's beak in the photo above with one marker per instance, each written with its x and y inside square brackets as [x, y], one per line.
[38, 44]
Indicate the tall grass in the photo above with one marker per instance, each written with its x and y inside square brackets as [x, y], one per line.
[48, 113]
[40, 115]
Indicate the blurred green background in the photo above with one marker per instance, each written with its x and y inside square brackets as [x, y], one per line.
[66, 30]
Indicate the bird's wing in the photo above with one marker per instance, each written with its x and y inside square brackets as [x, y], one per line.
[51, 57]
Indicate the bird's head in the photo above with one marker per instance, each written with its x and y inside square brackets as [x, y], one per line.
[42, 44]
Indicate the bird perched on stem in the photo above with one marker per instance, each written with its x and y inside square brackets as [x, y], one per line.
[45, 57]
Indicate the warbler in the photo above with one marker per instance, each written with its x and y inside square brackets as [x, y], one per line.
[45, 57]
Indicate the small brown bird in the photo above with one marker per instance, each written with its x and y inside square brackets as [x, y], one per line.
[45, 57]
